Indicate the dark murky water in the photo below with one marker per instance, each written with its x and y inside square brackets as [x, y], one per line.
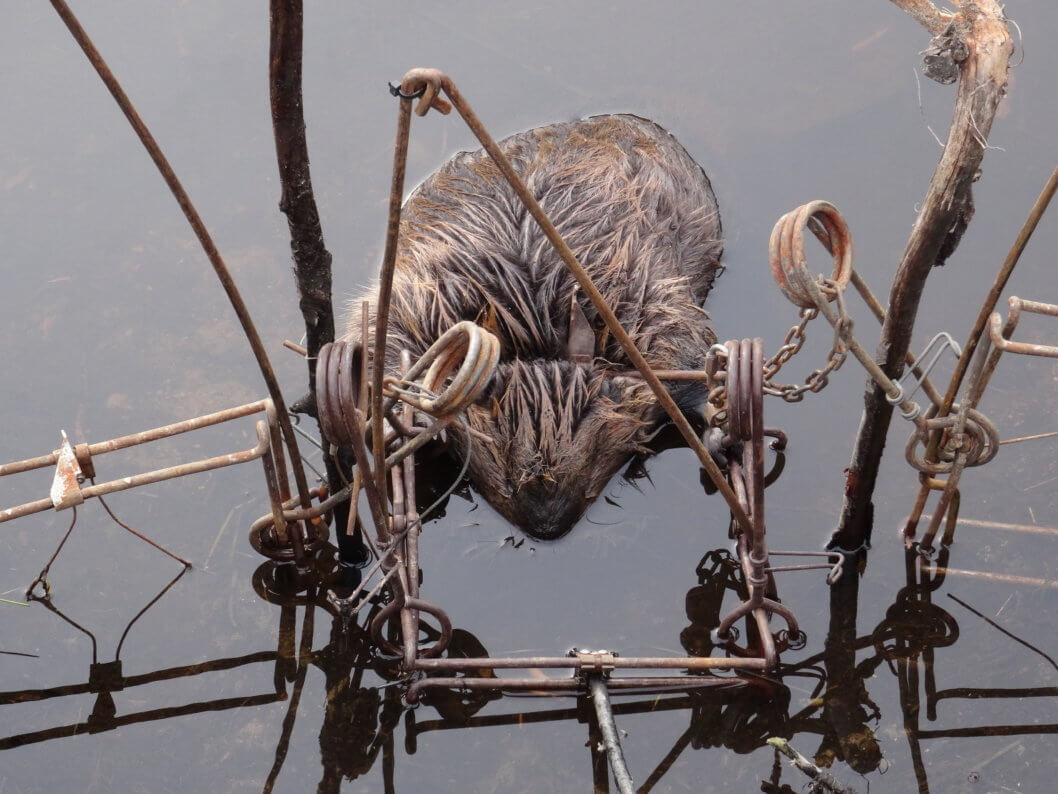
[114, 324]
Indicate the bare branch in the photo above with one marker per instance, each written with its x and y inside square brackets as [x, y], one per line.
[984, 46]
[926, 14]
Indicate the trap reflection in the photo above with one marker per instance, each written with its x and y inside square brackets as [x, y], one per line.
[364, 715]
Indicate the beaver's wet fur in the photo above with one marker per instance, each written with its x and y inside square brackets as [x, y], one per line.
[641, 217]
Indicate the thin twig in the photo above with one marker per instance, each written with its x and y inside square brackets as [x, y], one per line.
[142, 537]
[1052, 434]
[301, 351]
[42, 577]
[151, 603]
[997, 627]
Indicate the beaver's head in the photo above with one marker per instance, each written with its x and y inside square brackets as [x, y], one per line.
[559, 432]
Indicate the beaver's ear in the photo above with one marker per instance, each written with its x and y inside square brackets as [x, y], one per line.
[580, 341]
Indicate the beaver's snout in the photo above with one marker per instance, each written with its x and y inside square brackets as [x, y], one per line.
[547, 509]
[558, 432]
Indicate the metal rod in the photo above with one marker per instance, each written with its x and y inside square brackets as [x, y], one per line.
[997, 577]
[673, 374]
[146, 478]
[573, 663]
[600, 698]
[576, 685]
[998, 284]
[987, 307]
[411, 511]
[1001, 338]
[204, 238]
[1018, 440]
[1028, 528]
[385, 289]
[879, 313]
[140, 438]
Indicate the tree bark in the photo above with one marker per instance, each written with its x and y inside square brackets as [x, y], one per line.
[312, 260]
[978, 43]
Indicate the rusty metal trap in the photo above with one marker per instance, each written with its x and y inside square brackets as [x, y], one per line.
[382, 422]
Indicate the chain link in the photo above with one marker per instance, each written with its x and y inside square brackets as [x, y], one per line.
[791, 346]
[793, 343]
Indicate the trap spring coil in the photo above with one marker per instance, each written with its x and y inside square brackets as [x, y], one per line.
[786, 256]
[786, 250]
[465, 349]
[465, 345]
[981, 440]
[339, 366]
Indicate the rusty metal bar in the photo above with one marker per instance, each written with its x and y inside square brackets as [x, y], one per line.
[141, 438]
[396, 197]
[1027, 528]
[576, 685]
[984, 364]
[987, 307]
[998, 577]
[573, 663]
[147, 478]
[204, 238]
[402, 587]
[271, 479]
[998, 285]
[673, 374]
[411, 513]
[1017, 305]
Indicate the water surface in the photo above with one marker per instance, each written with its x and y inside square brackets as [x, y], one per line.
[114, 323]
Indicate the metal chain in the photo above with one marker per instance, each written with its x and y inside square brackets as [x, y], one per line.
[793, 343]
[791, 346]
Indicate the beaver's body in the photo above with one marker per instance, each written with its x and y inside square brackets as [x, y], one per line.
[642, 219]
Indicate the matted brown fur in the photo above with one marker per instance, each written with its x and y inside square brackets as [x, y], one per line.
[642, 219]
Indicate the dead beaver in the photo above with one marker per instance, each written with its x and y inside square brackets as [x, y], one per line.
[641, 217]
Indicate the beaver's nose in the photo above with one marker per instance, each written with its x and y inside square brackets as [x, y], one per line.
[546, 510]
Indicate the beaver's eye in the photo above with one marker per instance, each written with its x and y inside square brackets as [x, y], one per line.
[610, 390]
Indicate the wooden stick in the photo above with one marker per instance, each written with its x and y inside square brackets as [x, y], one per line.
[981, 29]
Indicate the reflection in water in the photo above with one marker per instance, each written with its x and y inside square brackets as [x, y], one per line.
[362, 718]
[913, 629]
[106, 678]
